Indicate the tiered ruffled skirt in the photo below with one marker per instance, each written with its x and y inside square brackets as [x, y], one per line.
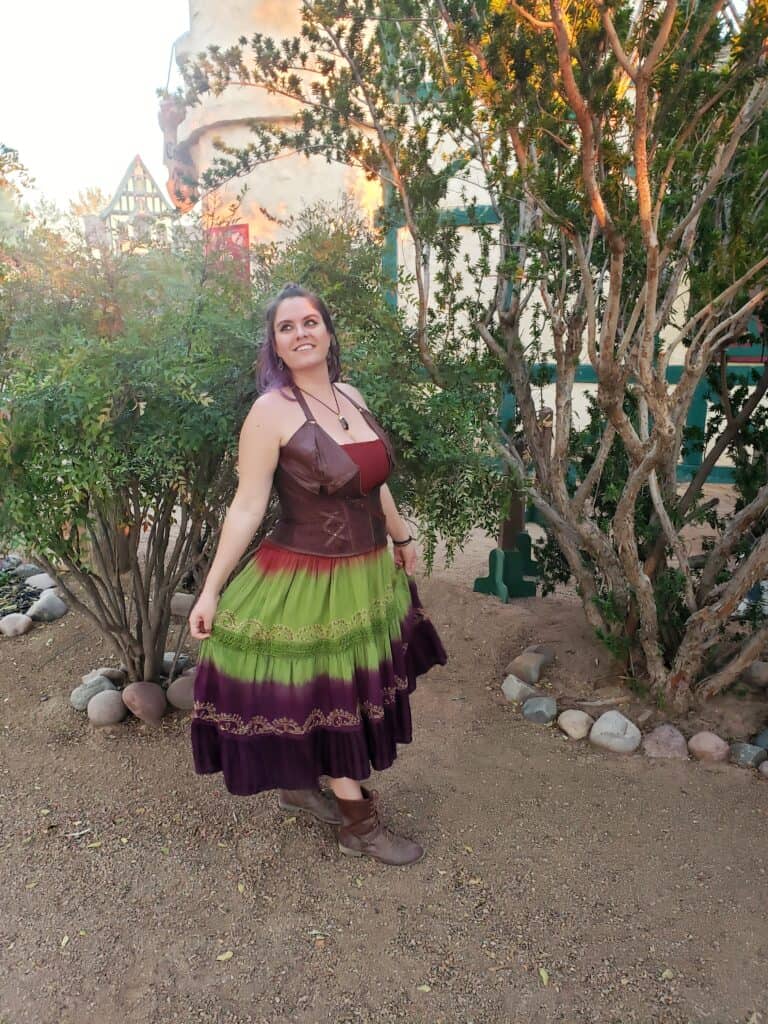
[309, 670]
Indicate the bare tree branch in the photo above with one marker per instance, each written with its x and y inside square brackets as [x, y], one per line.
[750, 651]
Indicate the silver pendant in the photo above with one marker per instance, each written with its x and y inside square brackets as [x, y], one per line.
[343, 422]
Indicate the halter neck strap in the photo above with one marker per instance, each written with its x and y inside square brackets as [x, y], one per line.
[299, 394]
[303, 403]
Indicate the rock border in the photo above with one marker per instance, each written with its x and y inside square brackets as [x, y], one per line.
[120, 700]
[49, 607]
[613, 731]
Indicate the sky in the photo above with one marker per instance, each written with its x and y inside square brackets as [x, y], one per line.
[77, 88]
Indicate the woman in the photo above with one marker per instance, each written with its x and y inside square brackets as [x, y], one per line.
[311, 652]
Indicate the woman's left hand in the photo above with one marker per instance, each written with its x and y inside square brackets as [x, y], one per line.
[405, 558]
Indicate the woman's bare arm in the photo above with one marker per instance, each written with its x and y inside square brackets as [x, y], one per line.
[397, 528]
[258, 453]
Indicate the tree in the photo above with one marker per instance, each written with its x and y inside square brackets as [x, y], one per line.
[14, 176]
[594, 148]
[126, 380]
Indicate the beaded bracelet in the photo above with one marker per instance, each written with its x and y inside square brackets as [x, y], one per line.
[402, 543]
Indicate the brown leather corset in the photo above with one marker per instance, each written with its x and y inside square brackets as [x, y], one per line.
[323, 510]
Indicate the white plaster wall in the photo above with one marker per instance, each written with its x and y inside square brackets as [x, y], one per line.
[277, 190]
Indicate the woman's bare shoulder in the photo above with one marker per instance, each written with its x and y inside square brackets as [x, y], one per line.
[348, 389]
[269, 410]
[277, 398]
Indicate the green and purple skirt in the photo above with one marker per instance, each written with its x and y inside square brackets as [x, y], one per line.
[309, 669]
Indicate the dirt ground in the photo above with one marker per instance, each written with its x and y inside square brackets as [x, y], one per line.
[560, 884]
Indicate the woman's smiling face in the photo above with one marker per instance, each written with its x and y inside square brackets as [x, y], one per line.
[302, 340]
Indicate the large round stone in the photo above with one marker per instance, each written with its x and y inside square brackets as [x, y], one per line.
[107, 708]
[665, 741]
[575, 724]
[116, 675]
[15, 624]
[747, 755]
[26, 569]
[83, 694]
[541, 710]
[146, 701]
[183, 663]
[708, 746]
[47, 608]
[180, 692]
[40, 581]
[614, 731]
[517, 691]
[528, 665]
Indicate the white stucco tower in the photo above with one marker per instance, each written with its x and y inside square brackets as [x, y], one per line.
[275, 190]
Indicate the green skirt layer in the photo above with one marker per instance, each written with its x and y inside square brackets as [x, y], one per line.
[288, 617]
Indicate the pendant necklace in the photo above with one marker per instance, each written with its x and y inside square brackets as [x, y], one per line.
[337, 411]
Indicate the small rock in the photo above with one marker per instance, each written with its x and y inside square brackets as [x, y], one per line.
[8, 562]
[15, 624]
[47, 608]
[181, 604]
[107, 708]
[747, 755]
[41, 581]
[544, 650]
[614, 731]
[756, 674]
[25, 570]
[665, 741]
[116, 675]
[708, 746]
[182, 664]
[516, 690]
[541, 710]
[575, 724]
[756, 597]
[82, 695]
[761, 740]
[181, 692]
[528, 665]
[146, 700]
[763, 769]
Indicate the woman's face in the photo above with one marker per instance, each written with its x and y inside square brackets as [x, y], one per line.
[302, 340]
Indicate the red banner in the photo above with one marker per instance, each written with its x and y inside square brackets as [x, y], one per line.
[231, 245]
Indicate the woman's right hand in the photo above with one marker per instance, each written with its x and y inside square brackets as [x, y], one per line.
[202, 614]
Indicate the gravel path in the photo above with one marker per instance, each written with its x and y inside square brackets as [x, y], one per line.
[560, 885]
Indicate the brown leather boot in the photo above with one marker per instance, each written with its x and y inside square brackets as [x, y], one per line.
[363, 835]
[316, 802]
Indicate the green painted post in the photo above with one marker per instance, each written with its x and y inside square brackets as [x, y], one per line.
[697, 419]
[512, 571]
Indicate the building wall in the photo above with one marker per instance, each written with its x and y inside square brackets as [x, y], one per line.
[275, 191]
